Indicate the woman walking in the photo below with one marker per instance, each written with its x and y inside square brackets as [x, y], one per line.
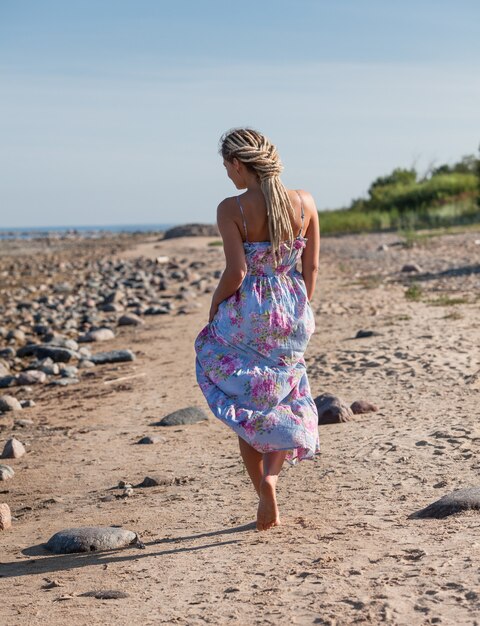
[250, 363]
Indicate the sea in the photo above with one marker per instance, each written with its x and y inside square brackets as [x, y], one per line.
[39, 232]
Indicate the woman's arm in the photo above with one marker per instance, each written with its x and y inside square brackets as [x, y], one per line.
[235, 264]
[312, 249]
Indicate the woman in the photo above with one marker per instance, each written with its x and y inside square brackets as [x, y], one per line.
[250, 363]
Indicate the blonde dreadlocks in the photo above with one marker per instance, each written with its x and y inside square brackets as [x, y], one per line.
[261, 156]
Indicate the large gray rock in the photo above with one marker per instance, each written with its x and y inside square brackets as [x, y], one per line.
[130, 319]
[188, 415]
[454, 502]
[332, 410]
[90, 539]
[115, 356]
[13, 449]
[7, 381]
[9, 403]
[43, 351]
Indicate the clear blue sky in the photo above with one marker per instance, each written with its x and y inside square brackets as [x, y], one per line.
[111, 110]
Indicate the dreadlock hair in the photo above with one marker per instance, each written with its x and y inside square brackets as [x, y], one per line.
[261, 156]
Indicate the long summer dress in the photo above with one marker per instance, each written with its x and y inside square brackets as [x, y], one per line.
[250, 363]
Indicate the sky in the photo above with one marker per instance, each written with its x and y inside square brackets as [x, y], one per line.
[111, 110]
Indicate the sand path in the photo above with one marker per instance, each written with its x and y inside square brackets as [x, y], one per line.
[346, 552]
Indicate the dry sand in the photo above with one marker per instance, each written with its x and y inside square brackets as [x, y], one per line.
[346, 552]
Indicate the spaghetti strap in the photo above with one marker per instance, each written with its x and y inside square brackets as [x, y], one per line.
[243, 218]
[302, 212]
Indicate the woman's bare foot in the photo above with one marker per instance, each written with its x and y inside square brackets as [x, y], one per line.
[267, 513]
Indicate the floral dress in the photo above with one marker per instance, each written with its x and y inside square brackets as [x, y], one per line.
[250, 363]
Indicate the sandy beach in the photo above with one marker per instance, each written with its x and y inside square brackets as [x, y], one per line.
[347, 551]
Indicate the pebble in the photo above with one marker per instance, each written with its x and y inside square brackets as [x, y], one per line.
[359, 407]
[116, 356]
[332, 410]
[9, 403]
[130, 319]
[63, 382]
[5, 517]
[7, 381]
[31, 377]
[6, 472]
[150, 481]
[411, 267]
[101, 334]
[27, 404]
[68, 371]
[154, 439]
[90, 539]
[13, 449]
[454, 502]
[105, 594]
[362, 334]
[85, 364]
[188, 415]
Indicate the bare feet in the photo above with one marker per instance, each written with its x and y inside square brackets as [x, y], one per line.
[267, 513]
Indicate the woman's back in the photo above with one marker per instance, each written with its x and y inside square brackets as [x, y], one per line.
[255, 213]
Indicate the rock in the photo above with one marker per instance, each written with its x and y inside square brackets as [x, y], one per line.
[150, 481]
[7, 381]
[359, 407]
[90, 539]
[6, 472]
[23, 423]
[188, 415]
[58, 354]
[154, 439]
[130, 319]
[192, 230]
[161, 260]
[7, 353]
[362, 334]
[411, 267]
[31, 377]
[101, 334]
[63, 382]
[156, 310]
[85, 364]
[332, 410]
[454, 502]
[105, 594]
[16, 335]
[9, 403]
[13, 449]
[68, 371]
[5, 517]
[116, 356]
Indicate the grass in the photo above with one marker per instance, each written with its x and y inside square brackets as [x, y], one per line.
[219, 242]
[371, 281]
[456, 216]
[414, 293]
[447, 301]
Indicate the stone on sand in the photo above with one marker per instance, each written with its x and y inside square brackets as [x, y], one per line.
[13, 449]
[105, 594]
[6, 472]
[115, 356]
[5, 517]
[332, 410]
[188, 415]
[90, 539]
[152, 439]
[9, 403]
[31, 377]
[363, 334]
[100, 334]
[411, 267]
[130, 319]
[359, 407]
[459, 500]
[58, 354]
